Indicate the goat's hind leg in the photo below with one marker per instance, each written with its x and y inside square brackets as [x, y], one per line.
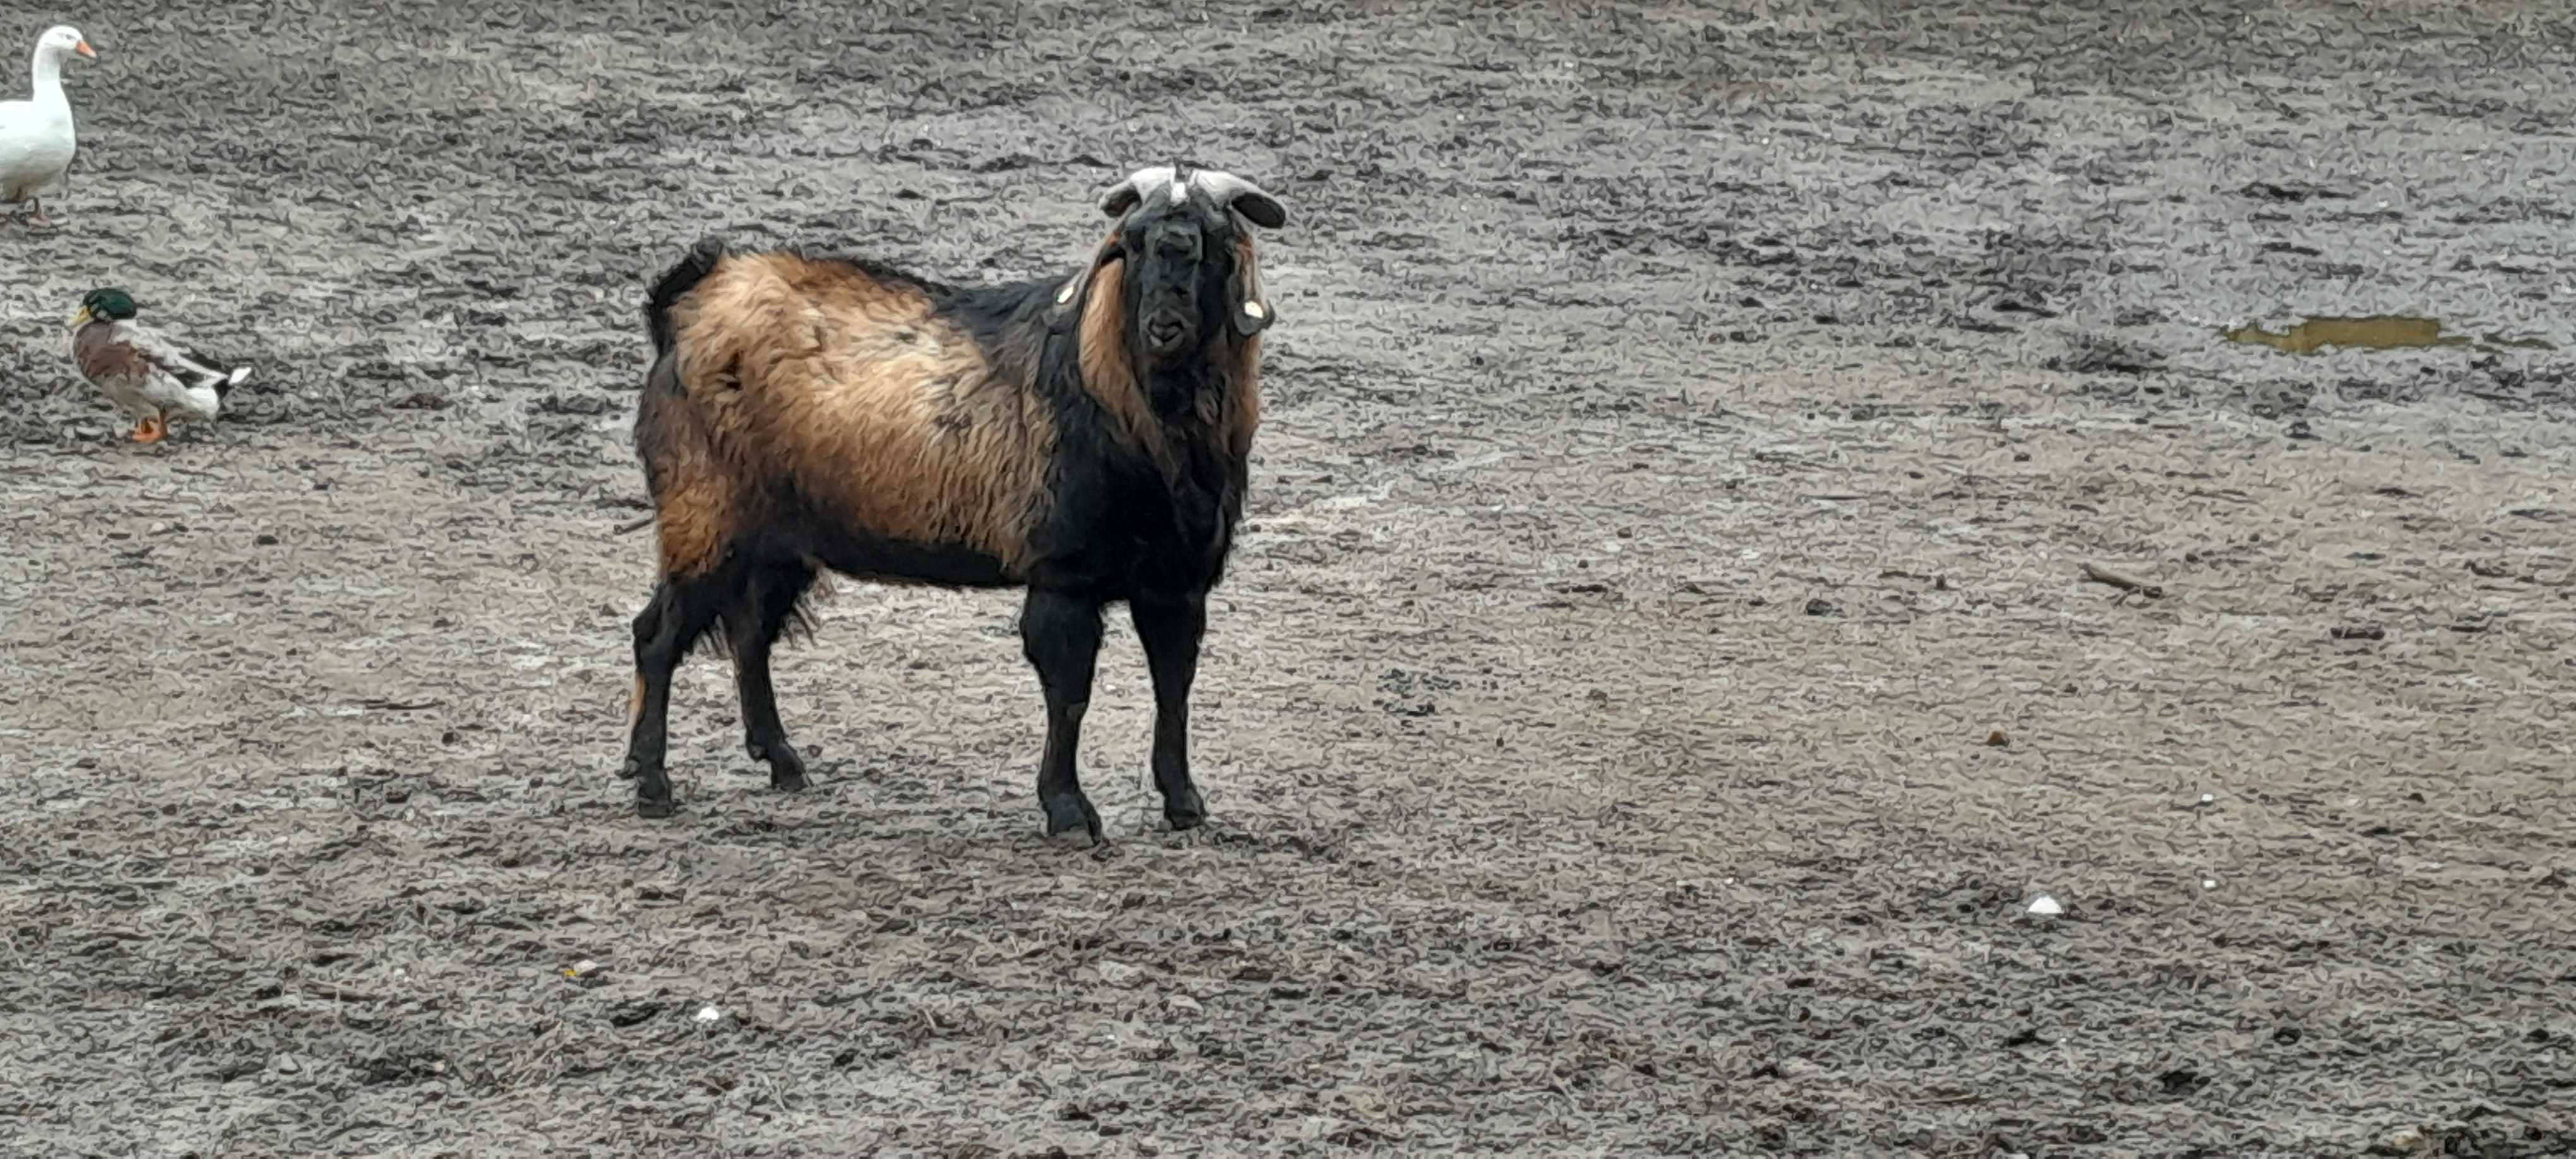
[1060, 634]
[752, 625]
[670, 624]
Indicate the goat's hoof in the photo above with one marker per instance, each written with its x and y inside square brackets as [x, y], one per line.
[627, 771]
[1185, 811]
[1072, 811]
[787, 773]
[655, 808]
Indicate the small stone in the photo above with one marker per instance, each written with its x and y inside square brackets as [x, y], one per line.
[708, 1014]
[1119, 973]
[2208, 883]
[1997, 739]
[2046, 906]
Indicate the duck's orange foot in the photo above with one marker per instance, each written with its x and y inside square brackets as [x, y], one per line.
[150, 430]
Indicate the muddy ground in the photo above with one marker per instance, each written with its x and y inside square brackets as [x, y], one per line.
[1684, 432]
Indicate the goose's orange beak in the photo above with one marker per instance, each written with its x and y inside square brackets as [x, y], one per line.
[84, 49]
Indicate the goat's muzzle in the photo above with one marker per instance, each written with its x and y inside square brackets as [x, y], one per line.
[1168, 331]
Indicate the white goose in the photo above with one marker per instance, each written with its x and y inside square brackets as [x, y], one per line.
[36, 141]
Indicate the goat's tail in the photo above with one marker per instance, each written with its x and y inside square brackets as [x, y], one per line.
[682, 277]
[654, 417]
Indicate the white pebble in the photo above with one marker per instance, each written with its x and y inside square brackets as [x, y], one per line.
[2046, 906]
[709, 1014]
[2209, 883]
[2208, 798]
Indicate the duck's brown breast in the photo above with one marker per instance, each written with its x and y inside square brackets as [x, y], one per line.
[104, 359]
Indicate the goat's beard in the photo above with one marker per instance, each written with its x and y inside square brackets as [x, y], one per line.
[1185, 384]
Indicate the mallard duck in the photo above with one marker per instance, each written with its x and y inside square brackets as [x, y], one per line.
[144, 372]
[36, 140]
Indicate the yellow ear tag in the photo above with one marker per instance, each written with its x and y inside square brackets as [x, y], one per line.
[1253, 309]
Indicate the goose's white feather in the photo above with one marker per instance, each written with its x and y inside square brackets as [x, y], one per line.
[37, 139]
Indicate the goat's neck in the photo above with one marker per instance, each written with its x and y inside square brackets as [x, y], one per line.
[1183, 393]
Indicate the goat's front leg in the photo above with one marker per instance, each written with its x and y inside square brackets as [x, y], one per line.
[1060, 634]
[1170, 631]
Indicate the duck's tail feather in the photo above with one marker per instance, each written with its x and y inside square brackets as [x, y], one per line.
[224, 386]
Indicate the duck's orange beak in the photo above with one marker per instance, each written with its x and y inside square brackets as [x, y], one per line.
[84, 49]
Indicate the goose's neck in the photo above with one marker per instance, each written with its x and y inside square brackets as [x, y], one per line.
[48, 67]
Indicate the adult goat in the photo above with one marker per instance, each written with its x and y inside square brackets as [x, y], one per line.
[1084, 437]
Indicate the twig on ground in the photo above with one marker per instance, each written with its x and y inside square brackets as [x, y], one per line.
[2103, 575]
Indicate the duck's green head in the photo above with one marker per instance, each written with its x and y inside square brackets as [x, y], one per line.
[111, 303]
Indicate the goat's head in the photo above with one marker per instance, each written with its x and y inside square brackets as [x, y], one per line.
[1189, 274]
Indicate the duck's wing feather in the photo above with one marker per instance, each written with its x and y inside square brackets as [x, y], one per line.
[179, 362]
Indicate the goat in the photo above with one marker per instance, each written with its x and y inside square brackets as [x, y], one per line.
[1085, 438]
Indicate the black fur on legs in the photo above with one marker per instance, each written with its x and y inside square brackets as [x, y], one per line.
[1170, 630]
[755, 607]
[670, 625]
[771, 602]
[1060, 635]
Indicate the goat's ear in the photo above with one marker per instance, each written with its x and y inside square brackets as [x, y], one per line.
[1251, 312]
[1252, 317]
[1068, 302]
[1075, 293]
[1120, 199]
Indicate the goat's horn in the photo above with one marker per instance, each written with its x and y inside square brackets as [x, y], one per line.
[1244, 196]
[1123, 196]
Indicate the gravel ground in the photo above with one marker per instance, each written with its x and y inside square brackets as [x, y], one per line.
[1656, 678]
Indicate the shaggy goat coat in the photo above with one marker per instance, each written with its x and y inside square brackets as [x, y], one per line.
[1086, 439]
[888, 426]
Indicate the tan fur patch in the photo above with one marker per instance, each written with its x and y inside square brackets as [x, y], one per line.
[696, 503]
[1101, 345]
[1243, 412]
[883, 410]
[635, 703]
